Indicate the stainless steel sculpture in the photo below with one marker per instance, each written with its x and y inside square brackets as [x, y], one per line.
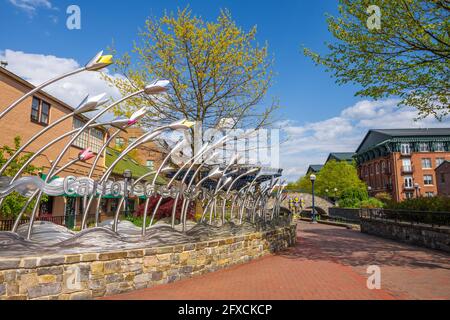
[242, 192]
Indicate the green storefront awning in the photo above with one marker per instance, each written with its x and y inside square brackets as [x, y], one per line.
[44, 176]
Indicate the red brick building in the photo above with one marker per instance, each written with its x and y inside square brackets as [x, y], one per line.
[149, 154]
[402, 161]
[30, 117]
[443, 178]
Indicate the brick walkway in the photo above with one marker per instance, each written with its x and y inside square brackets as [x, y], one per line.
[327, 263]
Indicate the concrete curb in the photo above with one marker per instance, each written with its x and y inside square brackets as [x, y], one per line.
[336, 224]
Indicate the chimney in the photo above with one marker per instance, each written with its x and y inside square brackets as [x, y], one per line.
[3, 63]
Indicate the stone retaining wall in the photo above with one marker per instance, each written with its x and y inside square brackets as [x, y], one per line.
[91, 275]
[347, 214]
[417, 234]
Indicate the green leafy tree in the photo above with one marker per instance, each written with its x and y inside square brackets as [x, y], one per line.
[406, 55]
[334, 174]
[219, 74]
[14, 202]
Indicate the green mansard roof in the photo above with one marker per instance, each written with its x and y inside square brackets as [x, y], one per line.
[314, 168]
[340, 156]
[377, 137]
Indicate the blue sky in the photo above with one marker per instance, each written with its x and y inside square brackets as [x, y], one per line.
[319, 115]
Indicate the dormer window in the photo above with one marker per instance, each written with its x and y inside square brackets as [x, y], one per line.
[439, 146]
[424, 147]
[405, 148]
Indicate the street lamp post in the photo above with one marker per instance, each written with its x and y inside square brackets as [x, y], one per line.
[126, 178]
[313, 178]
[417, 187]
[369, 189]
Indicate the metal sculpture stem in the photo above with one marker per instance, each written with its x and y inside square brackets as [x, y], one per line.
[36, 89]
[67, 146]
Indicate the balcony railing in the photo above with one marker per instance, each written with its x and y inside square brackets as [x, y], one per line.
[407, 169]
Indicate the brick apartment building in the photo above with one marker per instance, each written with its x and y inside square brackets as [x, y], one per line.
[443, 179]
[31, 116]
[36, 112]
[402, 162]
[150, 154]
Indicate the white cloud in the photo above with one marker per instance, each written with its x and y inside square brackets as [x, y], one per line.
[38, 68]
[30, 6]
[310, 143]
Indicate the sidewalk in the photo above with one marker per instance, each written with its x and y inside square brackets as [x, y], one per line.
[328, 262]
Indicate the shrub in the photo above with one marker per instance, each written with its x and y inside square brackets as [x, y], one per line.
[441, 204]
[138, 221]
[384, 197]
[371, 203]
[349, 203]
[355, 193]
[165, 209]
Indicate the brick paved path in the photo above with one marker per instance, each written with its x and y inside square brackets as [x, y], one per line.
[327, 263]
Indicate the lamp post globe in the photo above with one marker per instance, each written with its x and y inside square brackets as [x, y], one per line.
[313, 178]
[417, 187]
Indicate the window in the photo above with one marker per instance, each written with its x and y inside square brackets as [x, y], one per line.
[426, 163]
[131, 140]
[40, 111]
[35, 109]
[90, 138]
[408, 182]
[442, 178]
[424, 147]
[427, 179]
[119, 142]
[429, 194]
[409, 195]
[377, 168]
[383, 167]
[406, 165]
[96, 140]
[405, 148]
[439, 161]
[45, 112]
[150, 164]
[83, 139]
[439, 146]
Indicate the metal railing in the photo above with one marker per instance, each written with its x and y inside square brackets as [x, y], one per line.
[407, 169]
[432, 218]
[7, 224]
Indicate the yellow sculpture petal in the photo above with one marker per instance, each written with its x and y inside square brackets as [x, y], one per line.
[107, 59]
[101, 62]
[188, 123]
